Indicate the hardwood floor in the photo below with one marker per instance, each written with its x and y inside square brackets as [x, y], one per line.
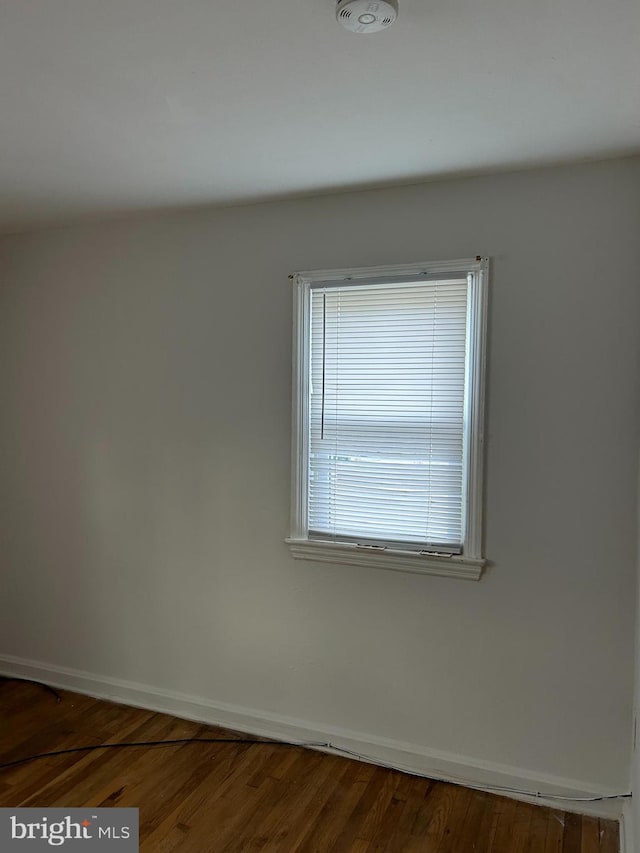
[222, 798]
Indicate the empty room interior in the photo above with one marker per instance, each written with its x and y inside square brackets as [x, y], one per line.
[320, 426]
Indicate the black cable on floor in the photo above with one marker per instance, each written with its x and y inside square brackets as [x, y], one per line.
[307, 744]
[154, 743]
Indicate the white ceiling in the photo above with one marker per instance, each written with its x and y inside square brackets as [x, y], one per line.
[116, 105]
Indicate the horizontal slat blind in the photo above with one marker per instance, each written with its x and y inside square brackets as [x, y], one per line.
[386, 431]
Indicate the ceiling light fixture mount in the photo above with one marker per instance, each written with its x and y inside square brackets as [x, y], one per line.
[366, 16]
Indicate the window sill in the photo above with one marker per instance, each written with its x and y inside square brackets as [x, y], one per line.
[399, 561]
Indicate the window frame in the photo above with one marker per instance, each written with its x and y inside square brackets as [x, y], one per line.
[470, 562]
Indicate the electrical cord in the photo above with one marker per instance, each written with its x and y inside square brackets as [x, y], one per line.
[466, 783]
[292, 744]
[309, 745]
[171, 742]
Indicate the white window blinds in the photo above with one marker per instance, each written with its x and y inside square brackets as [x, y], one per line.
[386, 413]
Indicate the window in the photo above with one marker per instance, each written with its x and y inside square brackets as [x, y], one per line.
[388, 417]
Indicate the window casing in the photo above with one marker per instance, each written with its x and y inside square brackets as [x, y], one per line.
[388, 398]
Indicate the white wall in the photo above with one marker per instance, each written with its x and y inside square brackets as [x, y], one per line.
[144, 458]
[631, 833]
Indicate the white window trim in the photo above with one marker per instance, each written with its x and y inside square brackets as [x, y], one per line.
[470, 563]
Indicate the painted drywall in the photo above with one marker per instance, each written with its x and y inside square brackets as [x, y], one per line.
[145, 381]
[631, 825]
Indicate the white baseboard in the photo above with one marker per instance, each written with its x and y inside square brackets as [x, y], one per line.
[627, 829]
[409, 757]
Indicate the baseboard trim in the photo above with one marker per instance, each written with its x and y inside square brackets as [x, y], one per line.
[408, 757]
[627, 829]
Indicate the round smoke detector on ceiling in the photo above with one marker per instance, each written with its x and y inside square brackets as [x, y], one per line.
[366, 16]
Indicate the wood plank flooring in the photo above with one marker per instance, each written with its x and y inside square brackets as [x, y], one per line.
[238, 798]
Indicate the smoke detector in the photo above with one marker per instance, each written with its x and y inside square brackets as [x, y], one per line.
[366, 16]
